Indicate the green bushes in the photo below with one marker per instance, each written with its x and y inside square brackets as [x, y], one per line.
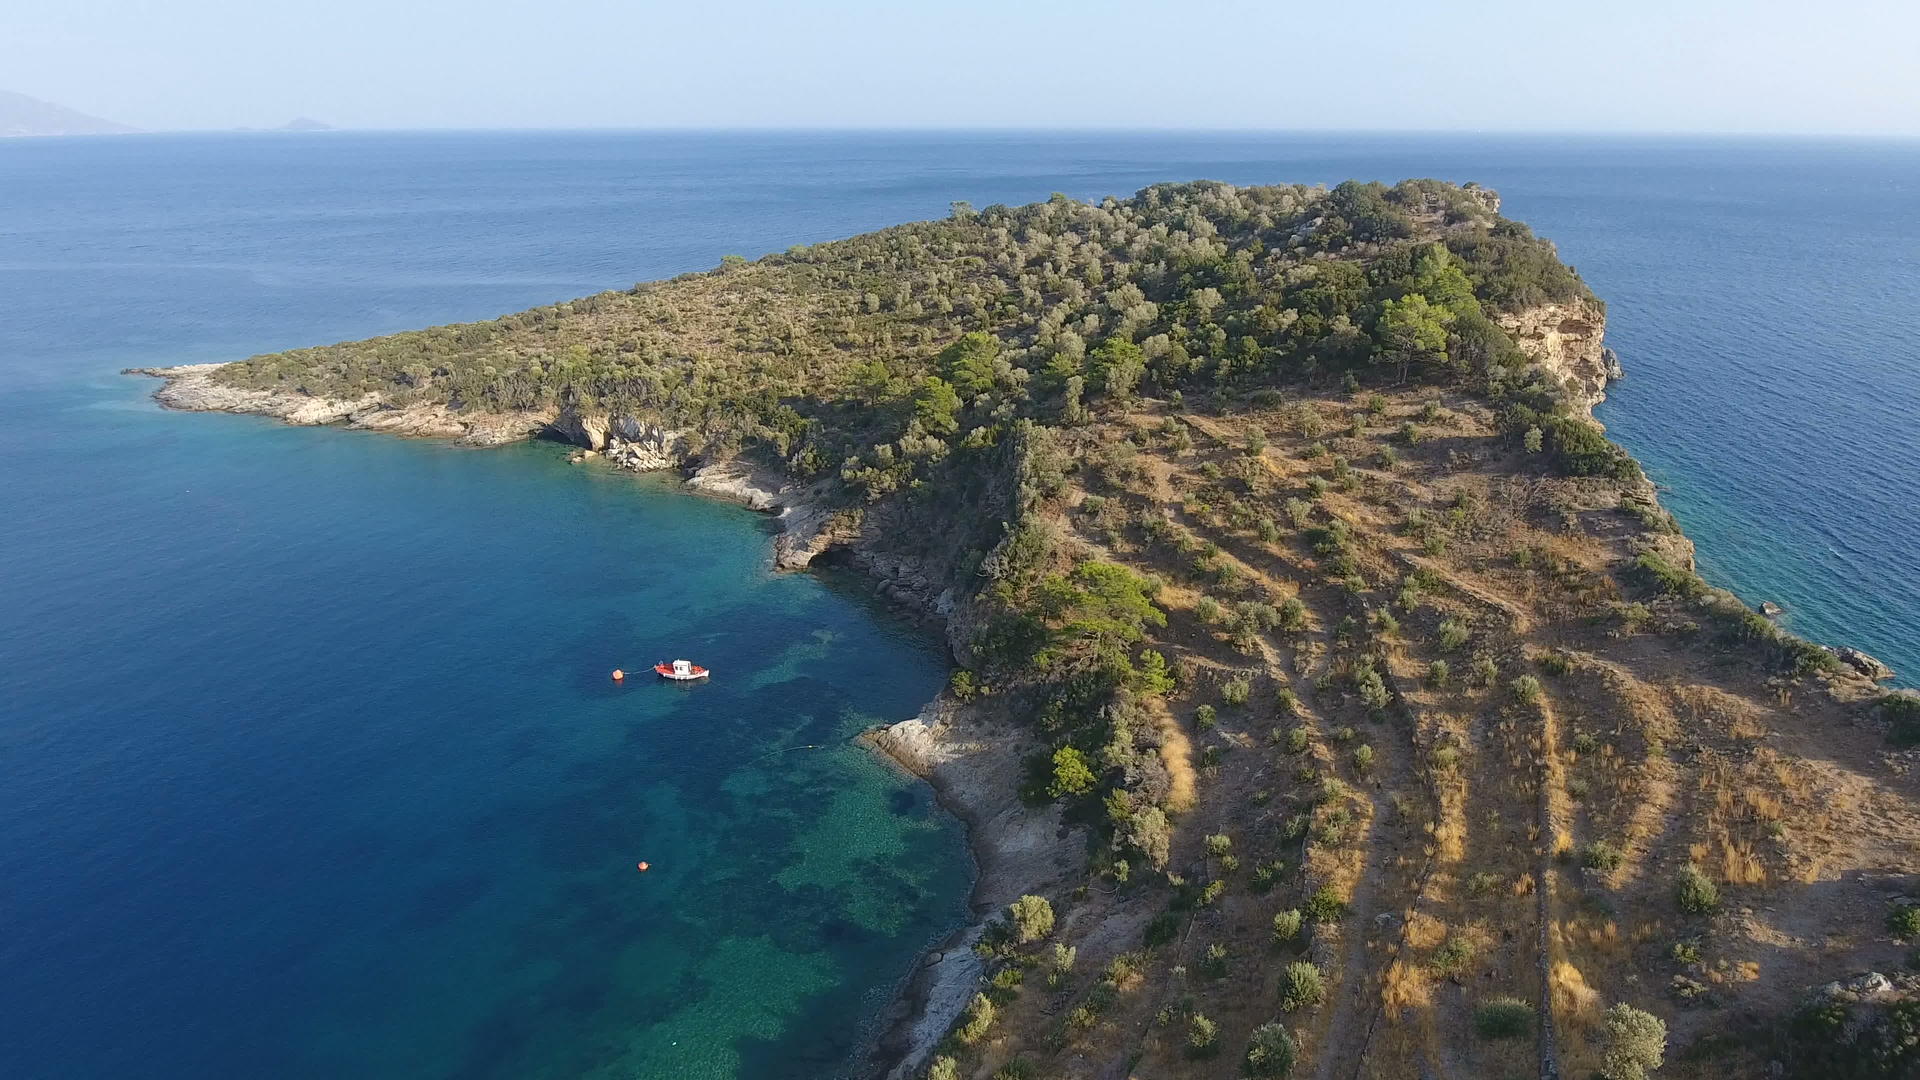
[1301, 986]
[1325, 905]
[1668, 578]
[1203, 1036]
[1901, 711]
[1270, 1052]
[1695, 892]
[1634, 1043]
[1286, 926]
[1903, 921]
[1031, 918]
[1503, 1018]
[1600, 855]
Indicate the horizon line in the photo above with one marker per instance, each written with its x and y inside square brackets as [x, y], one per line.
[877, 129]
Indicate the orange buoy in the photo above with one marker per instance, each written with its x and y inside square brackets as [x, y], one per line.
[643, 867]
[618, 674]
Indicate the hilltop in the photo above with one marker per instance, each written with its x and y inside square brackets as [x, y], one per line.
[21, 115]
[1333, 698]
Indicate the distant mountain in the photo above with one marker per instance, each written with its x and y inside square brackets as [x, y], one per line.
[22, 115]
[304, 123]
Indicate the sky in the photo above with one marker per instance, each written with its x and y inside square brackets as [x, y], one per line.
[1753, 66]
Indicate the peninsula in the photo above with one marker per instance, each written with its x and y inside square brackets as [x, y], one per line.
[1332, 698]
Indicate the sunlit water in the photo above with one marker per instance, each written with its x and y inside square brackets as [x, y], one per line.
[309, 766]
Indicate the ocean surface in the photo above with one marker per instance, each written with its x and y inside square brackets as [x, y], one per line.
[309, 764]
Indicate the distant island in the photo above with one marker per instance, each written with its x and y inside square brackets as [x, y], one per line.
[1333, 698]
[22, 116]
[298, 123]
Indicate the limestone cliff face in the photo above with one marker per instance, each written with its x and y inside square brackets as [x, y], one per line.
[1565, 341]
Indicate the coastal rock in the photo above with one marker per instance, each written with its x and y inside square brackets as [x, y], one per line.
[756, 485]
[582, 429]
[649, 450]
[193, 388]
[1564, 341]
[1771, 610]
[1862, 663]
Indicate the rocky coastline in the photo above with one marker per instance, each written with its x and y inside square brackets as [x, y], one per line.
[970, 759]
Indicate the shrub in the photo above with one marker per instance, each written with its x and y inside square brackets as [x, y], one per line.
[1301, 986]
[1453, 634]
[963, 685]
[1525, 689]
[1325, 905]
[1072, 776]
[1270, 1052]
[1236, 691]
[1696, 893]
[1634, 1043]
[1452, 956]
[1902, 713]
[1031, 918]
[943, 1068]
[1286, 701]
[1503, 1018]
[1219, 844]
[1205, 717]
[1439, 674]
[1363, 757]
[1267, 874]
[1297, 740]
[1203, 1036]
[1214, 962]
[1903, 921]
[1286, 926]
[1164, 928]
[1600, 855]
[975, 1022]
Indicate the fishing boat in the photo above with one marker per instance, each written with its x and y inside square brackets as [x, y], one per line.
[681, 671]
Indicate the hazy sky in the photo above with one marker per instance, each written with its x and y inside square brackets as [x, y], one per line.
[1839, 66]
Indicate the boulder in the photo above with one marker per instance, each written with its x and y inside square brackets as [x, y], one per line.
[1864, 664]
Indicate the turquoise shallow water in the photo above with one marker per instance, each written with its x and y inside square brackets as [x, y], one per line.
[310, 765]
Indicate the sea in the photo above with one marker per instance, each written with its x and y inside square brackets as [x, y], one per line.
[310, 765]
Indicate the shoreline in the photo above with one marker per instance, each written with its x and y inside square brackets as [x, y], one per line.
[970, 765]
[973, 763]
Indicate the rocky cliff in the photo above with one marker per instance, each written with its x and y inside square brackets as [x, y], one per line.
[1565, 340]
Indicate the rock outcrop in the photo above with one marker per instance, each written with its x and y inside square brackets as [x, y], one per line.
[1564, 340]
[193, 388]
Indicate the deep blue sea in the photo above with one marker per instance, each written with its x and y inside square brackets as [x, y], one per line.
[309, 765]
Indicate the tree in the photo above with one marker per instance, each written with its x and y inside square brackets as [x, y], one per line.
[1412, 329]
[1031, 918]
[969, 363]
[1071, 775]
[1442, 279]
[1634, 1043]
[1271, 1051]
[936, 406]
[1148, 833]
[976, 1020]
[1117, 366]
